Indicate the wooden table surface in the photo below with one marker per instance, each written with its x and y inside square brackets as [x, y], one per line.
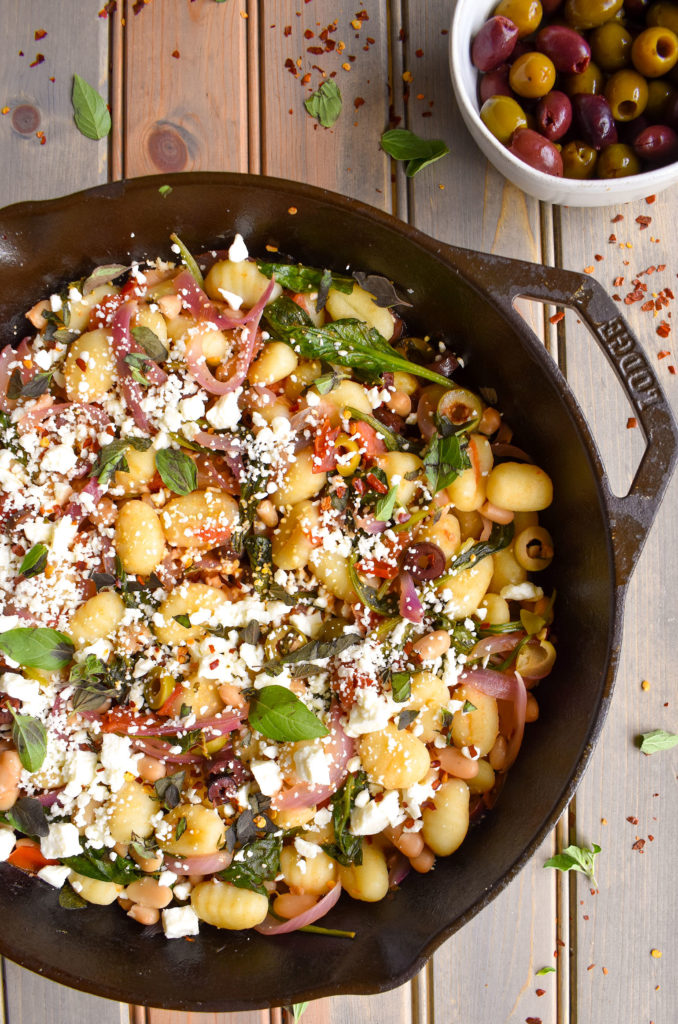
[204, 85]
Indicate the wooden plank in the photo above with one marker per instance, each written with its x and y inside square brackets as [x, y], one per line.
[635, 910]
[30, 999]
[486, 971]
[185, 87]
[177, 1017]
[39, 98]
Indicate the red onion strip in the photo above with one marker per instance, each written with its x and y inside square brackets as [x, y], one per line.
[411, 607]
[339, 749]
[502, 643]
[203, 864]
[123, 345]
[7, 356]
[270, 926]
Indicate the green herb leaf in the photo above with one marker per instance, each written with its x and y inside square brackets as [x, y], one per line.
[188, 260]
[89, 110]
[111, 457]
[277, 713]
[92, 690]
[168, 790]
[180, 828]
[406, 718]
[500, 537]
[401, 686]
[259, 551]
[546, 970]
[137, 364]
[177, 470]
[325, 104]
[444, 460]
[30, 740]
[385, 506]
[386, 606]
[256, 863]
[37, 647]
[576, 858]
[380, 288]
[165, 190]
[104, 866]
[34, 561]
[347, 849]
[346, 342]
[402, 144]
[298, 1010]
[150, 343]
[183, 620]
[314, 650]
[658, 739]
[394, 442]
[102, 275]
[69, 899]
[299, 278]
[27, 816]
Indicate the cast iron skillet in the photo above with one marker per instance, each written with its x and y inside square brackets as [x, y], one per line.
[468, 297]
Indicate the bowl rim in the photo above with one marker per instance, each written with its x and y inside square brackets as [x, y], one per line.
[613, 189]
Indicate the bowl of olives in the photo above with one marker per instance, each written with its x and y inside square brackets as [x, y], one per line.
[574, 101]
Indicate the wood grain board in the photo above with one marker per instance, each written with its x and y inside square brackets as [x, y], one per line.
[220, 86]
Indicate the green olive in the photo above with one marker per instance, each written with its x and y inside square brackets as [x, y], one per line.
[659, 92]
[525, 14]
[579, 160]
[655, 51]
[282, 641]
[617, 161]
[582, 14]
[461, 408]
[626, 92]
[158, 689]
[591, 80]
[663, 14]
[532, 75]
[503, 116]
[332, 628]
[611, 46]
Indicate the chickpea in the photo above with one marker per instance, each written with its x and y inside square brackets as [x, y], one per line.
[149, 893]
[144, 915]
[433, 645]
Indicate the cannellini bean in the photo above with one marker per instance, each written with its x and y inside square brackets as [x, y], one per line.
[93, 891]
[10, 774]
[204, 831]
[131, 812]
[433, 645]
[300, 481]
[423, 862]
[394, 757]
[186, 600]
[315, 875]
[202, 519]
[139, 539]
[446, 824]
[149, 893]
[519, 486]
[97, 617]
[275, 362]
[144, 915]
[454, 763]
[367, 881]
[490, 421]
[151, 769]
[88, 369]
[361, 305]
[409, 843]
[291, 904]
[400, 403]
[170, 307]
[226, 906]
[242, 279]
[477, 728]
[293, 540]
[496, 514]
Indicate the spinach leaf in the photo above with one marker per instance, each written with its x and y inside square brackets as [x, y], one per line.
[347, 849]
[444, 460]
[500, 537]
[256, 863]
[387, 606]
[37, 647]
[348, 342]
[325, 104]
[90, 112]
[104, 866]
[27, 816]
[402, 144]
[298, 278]
[277, 713]
[111, 457]
[34, 561]
[177, 470]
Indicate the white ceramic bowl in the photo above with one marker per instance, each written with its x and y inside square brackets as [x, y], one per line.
[469, 15]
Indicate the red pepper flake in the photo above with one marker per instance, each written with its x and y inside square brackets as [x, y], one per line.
[358, 102]
[308, 34]
[533, 1020]
[81, 364]
[605, 970]
[644, 221]
[617, 298]
[418, 53]
[615, 220]
[650, 200]
[634, 296]
[557, 317]
[631, 423]
[663, 330]
[287, 30]
[663, 354]
[540, 992]
[42, 137]
[612, 238]
[672, 369]
[315, 50]
[175, 53]
[39, 34]
[139, 5]
[108, 8]
[214, 665]
[39, 59]
[633, 821]
[647, 306]
[589, 270]
[291, 67]
[590, 967]
[651, 838]
[306, 79]
[638, 845]
[597, 257]
[585, 916]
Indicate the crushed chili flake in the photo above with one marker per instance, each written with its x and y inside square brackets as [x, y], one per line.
[407, 76]
[108, 8]
[651, 838]
[644, 221]
[585, 917]
[589, 270]
[619, 216]
[175, 53]
[418, 53]
[631, 423]
[663, 329]
[618, 282]
[39, 34]
[533, 1020]
[672, 369]
[612, 238]
[39, 59]
[638, 845]
[540, 992]
[287, 30]
[650, 199]
[605, 970]
[590, 967]
[346, 66]
[358, 102]
[647, 306]
[42, 137]
[632, 820]
[663, 354]
[557, 317]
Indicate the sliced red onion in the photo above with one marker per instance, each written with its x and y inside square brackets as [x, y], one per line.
[510, 451]
[49, 798]
[217, 726]
[75, 509]
[123, 345]
[7, 356]
[500, 685]
[423, 561]
[159, 750]
[229, 446]
[370, 525]
[399, 870]
[201, 307]
[203, 864]
[502, 643]
[426, 410]
[519, 709]
[339, 749]
[411, 607]
[270, 926]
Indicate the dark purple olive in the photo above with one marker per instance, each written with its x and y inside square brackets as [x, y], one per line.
[424, 561]
[657, 144]
[569, 52]
[554, 115]
[636, 8]
[594, 117]
[495, 83]
[550, 6]
[628, 131]
[536, 151]
[221, 788]
[671, 112]
[390, 419]
[521, 48]
[494, 43]
[227, 773]
[447, 364]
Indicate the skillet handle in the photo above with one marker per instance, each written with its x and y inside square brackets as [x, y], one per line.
[630, 516]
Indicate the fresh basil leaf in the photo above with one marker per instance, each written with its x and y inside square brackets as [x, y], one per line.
[30, 740]
[406, 718]
[165, 190]
[150, 343]
[183, 620]
[467, 707]
[324, 384]
[401, 686]
[256, 863]
[180, 828]
[111, 457]
[92, 690]
[104, 866]
[37, 647]
[278, 714]
[546, 970]
[103, 275]
[188, 260]
[69, 899]
[500, 537]
[28, 816]
[402, 144]
[380, 288]
[325, 104]
[444, 459]
[251, 633]
[385, 506]
[37, 385]
[347, 849]
[347, 342]
[177, 470]
[314, 650]
[89, 110]
[168, 790]
[323, 291]
[576, 858]
[34, 561]
[658, 739]
[298, 278]
[137, 367]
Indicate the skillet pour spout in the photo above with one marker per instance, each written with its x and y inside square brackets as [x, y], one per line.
[466, 297]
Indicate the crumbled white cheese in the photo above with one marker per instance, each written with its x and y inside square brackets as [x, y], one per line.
[117, 758]
[60, 458]
[62, 840]
[306, 849]
[225, 413]
[167, 878]
[180, 921]
[521, 592]
[7, 842]
[268, 776]
[375, 816]
[371, 712]
[238, 251]
[311, 764]
[54, 874]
